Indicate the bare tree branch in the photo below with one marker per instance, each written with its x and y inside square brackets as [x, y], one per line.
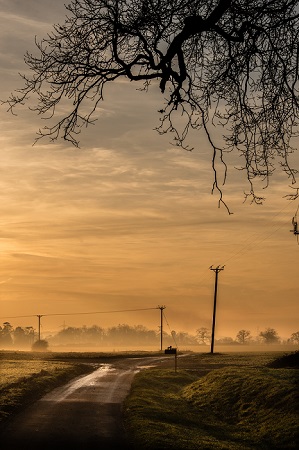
[231, 63]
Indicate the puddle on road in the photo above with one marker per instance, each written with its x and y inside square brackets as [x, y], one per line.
[105, 384]
[61, 393]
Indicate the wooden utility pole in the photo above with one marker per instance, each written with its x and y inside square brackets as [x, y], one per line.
[216, 270]
[39, 317]
[161, 325]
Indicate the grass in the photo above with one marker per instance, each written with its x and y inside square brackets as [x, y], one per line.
[228, 402]
[223, 401]
[26, 377]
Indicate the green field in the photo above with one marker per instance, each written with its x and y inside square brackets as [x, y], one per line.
[233, 401]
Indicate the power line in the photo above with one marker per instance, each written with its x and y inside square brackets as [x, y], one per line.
[101, 312]
[258, 238]
[172, 335]
[39, 316]
[80, 313]
[255, 238]
[17, 317]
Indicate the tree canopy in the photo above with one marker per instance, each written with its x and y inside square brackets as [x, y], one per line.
[227, 63]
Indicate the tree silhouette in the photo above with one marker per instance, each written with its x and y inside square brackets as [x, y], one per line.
[40, 345]
[270, 336]
[23, 336]
[295, 337]
[203, 335]
[243, 336]
[6, 334]
[226, 63]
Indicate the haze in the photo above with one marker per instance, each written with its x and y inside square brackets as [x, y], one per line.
[127, 221]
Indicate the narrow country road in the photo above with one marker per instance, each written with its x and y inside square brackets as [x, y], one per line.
[85, 414]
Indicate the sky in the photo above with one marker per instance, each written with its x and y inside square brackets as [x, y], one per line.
[127, 221]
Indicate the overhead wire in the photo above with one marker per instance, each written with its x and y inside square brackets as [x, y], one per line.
[259, 238]
[255, 238]
[80, 313]
[243, 250]
[172, 335]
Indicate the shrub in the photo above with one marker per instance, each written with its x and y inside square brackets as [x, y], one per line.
[288, 360]
[40, 346]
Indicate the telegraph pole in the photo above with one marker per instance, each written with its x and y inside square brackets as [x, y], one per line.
[161, 325]
[39, 317]
[216, 270]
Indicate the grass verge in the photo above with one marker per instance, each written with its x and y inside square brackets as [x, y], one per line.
[232, 408]
[25, 380]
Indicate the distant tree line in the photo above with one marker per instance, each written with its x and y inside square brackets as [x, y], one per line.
[244, 337]
[17, 337]
[126, 335]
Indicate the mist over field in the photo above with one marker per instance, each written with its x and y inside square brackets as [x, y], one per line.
[124, 337]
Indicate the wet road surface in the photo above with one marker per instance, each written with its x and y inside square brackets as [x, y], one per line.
[85, 414]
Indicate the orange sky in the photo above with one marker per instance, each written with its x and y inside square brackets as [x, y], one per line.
[127, 221]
